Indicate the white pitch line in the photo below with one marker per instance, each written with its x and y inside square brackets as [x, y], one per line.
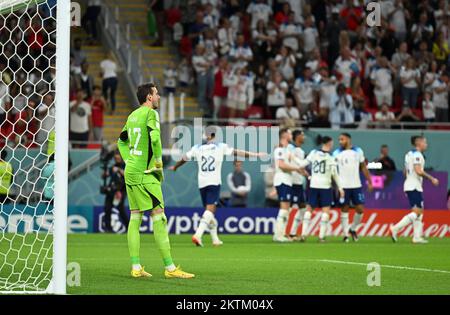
[383, 266]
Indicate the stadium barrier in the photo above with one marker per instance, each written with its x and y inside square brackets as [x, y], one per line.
[88, 219]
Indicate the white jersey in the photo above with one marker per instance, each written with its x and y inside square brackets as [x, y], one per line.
[349, 162]
[281, 177]
[413, 181]
[298, 155]
[209, 157]
[323, 166]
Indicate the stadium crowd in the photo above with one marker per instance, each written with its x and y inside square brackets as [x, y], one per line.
[317, 61]
[27, 85]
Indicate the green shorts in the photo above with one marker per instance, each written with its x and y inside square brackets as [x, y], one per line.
[144, 197]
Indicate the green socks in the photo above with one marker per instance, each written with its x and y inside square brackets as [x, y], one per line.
[162, 237]
[134, 238]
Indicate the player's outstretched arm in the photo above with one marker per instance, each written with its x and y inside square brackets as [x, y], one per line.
[179, 164]
[421, 172]
[247, 154]
[123, 144]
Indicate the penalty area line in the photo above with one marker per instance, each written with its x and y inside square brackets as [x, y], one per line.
[383, 266]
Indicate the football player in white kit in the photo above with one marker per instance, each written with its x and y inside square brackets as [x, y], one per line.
[283, 183]
[351, 161]
[323, 171]
[414, 172]
[209, 157]
[298, 182]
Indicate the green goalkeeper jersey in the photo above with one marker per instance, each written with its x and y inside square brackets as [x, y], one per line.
[140, 147]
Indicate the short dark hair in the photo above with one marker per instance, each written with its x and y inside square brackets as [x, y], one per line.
[415, 138]
[323, 139]
[296, 133]
[346, 134]
[282, 132]
[96, 87]
[384, 146]
[143, 91]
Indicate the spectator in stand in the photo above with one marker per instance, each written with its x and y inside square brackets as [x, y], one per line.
[398, 17]
[407, 116]
[346, 66]
[315, 61]
[384, 115]
[387, 163]
[381, 78]
[410, 78]
[321, 120]
[310, 37]
[240, 184]
[225, 36]
[276, 93]
[357, 92]
[291, 33]
[304, 90]
[157, 6]
[262, 42]
[361, 115]
[352, 16]
[441, 49]
[84, 80]
[210, 17]
[240, 91]
[400, 57]
[205, 79]
[109, 85]
[89, 20]
[184, 74]
[430, 77]
[422, 30]
[429, 111]
[80, 121]
[286, 62]
[341, 111]
[282, 17]
[259, 10]
[25, 124]
[46, 114]
[98, 105]
[423, 56]
[440, 15]
[197, 28]
[220, 90]
[241, 54]
[333, 31]
[288, 114]
[78, 54]
[326, 87]
[441, 89]
[170, 79]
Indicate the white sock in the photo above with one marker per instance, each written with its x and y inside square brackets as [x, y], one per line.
[206, 219]
[418, 227]
[305, 225]
[356, 220]
[405, 221]
[171, 267]
[324, 225]
[344, 223]
[297, 220]
[280, 226]
[137, 266]
[213, 231]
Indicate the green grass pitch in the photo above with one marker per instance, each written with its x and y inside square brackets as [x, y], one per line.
[254, 265]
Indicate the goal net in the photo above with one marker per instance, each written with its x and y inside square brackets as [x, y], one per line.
[34, 76]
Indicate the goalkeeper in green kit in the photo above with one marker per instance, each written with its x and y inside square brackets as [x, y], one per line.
[141, 149]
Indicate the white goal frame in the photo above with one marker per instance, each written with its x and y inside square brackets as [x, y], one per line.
[57, 283]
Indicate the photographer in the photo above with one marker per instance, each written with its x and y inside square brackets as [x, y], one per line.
[114, 190]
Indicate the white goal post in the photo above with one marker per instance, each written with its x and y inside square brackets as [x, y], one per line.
[34, 124]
